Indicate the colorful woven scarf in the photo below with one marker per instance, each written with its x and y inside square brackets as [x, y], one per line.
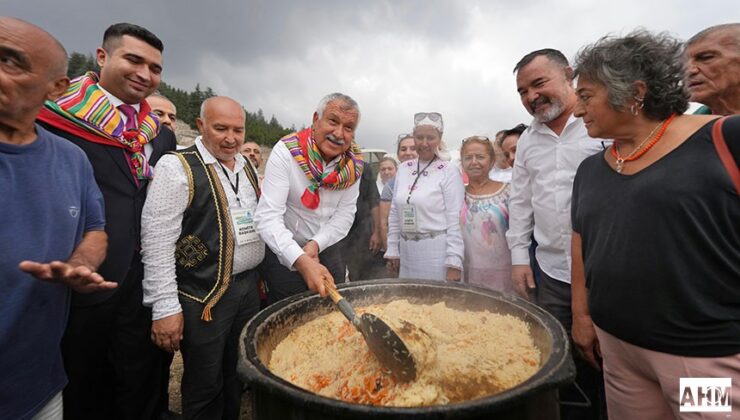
[306, 153]
[85, 110]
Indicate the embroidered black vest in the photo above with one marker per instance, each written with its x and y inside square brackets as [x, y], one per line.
[204, 253]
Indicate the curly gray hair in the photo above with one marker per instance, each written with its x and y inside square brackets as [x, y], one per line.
[655, 59]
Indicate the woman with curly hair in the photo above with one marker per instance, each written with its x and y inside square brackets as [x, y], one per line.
[656, 244]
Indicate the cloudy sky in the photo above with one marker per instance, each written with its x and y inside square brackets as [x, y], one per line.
[394, 57]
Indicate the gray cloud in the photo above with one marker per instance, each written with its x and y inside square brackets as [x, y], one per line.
[394, 57]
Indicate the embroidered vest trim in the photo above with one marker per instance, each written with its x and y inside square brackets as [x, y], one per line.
[204, 258]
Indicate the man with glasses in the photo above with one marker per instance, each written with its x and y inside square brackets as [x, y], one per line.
[547, 157]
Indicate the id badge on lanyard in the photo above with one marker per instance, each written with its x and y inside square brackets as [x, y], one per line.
[408, 218]
[243, 222]
[408, 210]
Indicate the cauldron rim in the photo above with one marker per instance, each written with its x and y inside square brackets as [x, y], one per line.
[557, 370]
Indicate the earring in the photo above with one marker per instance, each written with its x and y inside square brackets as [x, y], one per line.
[637, 106]
[634, 110]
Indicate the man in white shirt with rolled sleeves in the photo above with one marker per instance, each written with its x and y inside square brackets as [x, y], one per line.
[547, 156]
[310, 188]
[200, 251]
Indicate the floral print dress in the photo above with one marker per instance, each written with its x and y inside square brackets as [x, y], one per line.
[484, 220]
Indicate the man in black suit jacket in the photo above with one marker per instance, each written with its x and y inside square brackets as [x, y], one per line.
[112, 365]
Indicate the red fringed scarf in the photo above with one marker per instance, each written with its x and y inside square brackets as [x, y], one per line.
[306, 153]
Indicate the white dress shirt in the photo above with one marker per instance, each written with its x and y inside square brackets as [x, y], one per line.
[541, 188]
[161, 226]
[148, 148]
[438, 197]
[285, 224]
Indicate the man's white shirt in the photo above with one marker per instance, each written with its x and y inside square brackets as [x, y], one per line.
[541, 188]
[285, 224]
[161, 226]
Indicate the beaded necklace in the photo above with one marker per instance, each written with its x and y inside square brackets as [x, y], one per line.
[639, 150]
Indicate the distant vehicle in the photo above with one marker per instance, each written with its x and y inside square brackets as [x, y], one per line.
[372, 158]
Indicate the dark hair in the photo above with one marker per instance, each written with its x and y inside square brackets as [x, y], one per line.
[518, 130]
[118, 30]
[552, 54]
[655, 59]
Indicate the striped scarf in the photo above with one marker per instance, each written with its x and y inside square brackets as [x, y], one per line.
[304, 150]
[88, 109]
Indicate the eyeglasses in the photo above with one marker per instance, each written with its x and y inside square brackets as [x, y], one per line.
[477, 138]
[434, 116]
[404, 136]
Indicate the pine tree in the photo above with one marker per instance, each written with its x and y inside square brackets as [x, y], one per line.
[79, 64]
[188, 103]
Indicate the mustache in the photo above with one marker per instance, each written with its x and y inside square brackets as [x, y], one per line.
[332, 138]
[539, 101]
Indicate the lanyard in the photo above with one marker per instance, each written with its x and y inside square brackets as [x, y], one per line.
[234, 188]
[418, 174]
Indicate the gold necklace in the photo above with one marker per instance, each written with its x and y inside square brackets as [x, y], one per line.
[634, 154]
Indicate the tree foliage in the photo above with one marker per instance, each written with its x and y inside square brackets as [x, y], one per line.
[260, 131]
[188, 103]
[80, 64]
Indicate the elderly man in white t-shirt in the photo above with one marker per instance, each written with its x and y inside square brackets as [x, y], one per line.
[309, 200]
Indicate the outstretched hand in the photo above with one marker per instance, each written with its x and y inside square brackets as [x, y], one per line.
[80, 278]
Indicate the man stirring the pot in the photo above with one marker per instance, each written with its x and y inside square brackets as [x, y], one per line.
[310, 200]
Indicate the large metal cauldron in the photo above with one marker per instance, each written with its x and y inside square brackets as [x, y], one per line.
[275, 398]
